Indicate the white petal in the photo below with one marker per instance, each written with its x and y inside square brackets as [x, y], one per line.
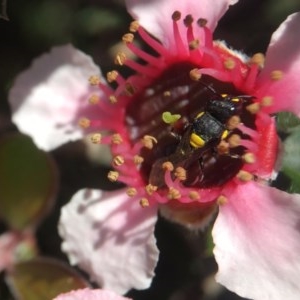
[257, 238]
[48, 98]
[155, 16]
[111, 237]
[88, 294]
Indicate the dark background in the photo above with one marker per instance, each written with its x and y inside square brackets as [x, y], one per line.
[184, 271]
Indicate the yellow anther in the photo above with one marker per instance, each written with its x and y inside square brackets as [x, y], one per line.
[276, 75]
[233, 122]
[188, 20]
[129, 89]
[144, 202]
[167, 93]
[258, 59]
[253, 108]
[150, 189]
[137, 159]
[118, 160]
[134, 26]
[180, 173]
[266, 101]
[195, 74]
[96, 138]
[223, 147]
[196, 141]
[176, 16]
[174, 193]
[94, 80]
[194, 195]
[148, 141]
[84, 123]
[244, 175]
[234, 141]
[168, 166]
[120, 58]
[112, 76]
[168, 118]
[221, 200]
[113, 99]
[194, 44]
[224, 95]
[113, 176]
[116, 139]
[229, 64]
[128, 38]
[249, 158]
[94, 99]
[131, 192]
[202, 22]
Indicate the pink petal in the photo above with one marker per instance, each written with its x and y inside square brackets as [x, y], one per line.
[284, 54]
[47, 98]
[155, 16]
[110, 236]
[257, 238]
[88, 294]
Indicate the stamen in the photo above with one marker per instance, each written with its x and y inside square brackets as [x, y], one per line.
[112, 76]
[234, 141]
[113, 176]
[276, 75]
[94, 99]
[174, 193]
[148, 141]
[267, 101]
[94, 80]
[229, 64]
[134, 26]
[247, 130]
[258, 59]
[221, 200]
[223, 147]
[195, 74]
[194, 44]
[137, 159]
[168, 118]
[249, 158]
[150, 189]
[244, 176]
[118, 160]
[131, 192]
[84, 123]
[144, 202]
[194, 195]
[128, 38]
[117, 139]
[120, 58]
[180, 173]
[177, 37]
[253, 108]
[188, 20]
[96, 138]
[202, 22]
[233, 122]
[168, 166]
[113, 99]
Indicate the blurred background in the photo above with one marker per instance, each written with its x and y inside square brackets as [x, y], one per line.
[29, 28]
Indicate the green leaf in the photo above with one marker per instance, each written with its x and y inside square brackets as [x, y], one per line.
[43, 279]
[291, 160]
[287, 121]
[28, 182]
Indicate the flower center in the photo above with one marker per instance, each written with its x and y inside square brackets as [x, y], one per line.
[175, 91]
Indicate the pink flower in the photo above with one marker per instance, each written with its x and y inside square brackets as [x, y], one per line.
[186, 168]
[88, 294]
